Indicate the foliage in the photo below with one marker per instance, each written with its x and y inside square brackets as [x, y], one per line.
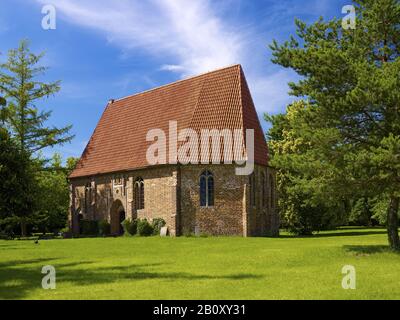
[379, 208]
[18, 188]
[20, 86]
[3, 110]
[89, 227]
[53, 204]
[348, 128]
[144, 228]
[34, 195]
[104, 228]
[130, 227]
[361, 213]
[157, 224]
[307, 201]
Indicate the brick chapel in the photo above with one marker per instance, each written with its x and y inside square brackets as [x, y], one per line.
[113, 179]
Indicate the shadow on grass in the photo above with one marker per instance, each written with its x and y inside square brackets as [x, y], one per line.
[11, 246]
[18, 279]
[349, 234]
[337, 234]
[367, 249]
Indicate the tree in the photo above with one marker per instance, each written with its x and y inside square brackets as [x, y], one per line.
[52, 210]
[21, 89]
[26, 128]
[3, 104]
[350, 80]
[308, 200]
[18, 188]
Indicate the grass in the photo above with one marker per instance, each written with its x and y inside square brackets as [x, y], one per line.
[203, 268]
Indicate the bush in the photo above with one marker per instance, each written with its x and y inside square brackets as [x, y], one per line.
[43, 236]
[130, 227]
[6, 235]
[133, 227]
[144, 228]
[65, 230]
[89, 228]
[104, 228]
[157, 224]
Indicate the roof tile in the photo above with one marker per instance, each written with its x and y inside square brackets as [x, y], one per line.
[216, 100]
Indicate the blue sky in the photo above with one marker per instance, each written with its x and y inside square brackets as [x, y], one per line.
[109, 49]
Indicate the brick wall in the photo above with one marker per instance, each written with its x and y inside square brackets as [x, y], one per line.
[226, 216]
[159, 193]
[173, 193]
[262, 217]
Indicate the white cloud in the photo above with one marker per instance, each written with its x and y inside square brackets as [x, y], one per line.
[187, 32]
[190, 36]
[172, 67]
[270, 93]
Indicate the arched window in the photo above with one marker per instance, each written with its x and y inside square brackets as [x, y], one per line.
[263, 190]
[139, 194]
[272, 191]
[252, 183]
[206, 189]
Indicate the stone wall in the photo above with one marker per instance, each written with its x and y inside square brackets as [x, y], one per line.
[160, 185]
[173, 193]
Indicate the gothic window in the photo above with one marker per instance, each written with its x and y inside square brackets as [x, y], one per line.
[118, 181]
[139, 194]
[206, 189]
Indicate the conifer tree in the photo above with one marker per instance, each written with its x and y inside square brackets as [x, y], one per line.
[350, 80]
[19, 85]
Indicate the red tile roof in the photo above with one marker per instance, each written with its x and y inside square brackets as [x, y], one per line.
[216, 100]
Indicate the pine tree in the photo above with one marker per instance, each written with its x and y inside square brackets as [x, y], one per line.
[3, 104]
[350, 79]
[19, 86]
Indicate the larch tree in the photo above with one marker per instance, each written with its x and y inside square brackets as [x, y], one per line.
[22, 90]
[23, 126]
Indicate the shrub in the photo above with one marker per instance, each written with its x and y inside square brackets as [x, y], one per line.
[130, 227]
[43, 236]
[133, 227]
[157, 224]
[104, 228]
[66, 233]
[89, 228]
[65, 230]
[144, 228]
[6, 235]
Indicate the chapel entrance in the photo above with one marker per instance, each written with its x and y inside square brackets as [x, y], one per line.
[117, 215]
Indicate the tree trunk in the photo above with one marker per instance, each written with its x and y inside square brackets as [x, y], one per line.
[392, 223]
[23, 228]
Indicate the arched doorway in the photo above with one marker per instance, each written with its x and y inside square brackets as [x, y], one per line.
[117, 215]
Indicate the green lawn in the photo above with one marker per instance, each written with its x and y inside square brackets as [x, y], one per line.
[203, 268]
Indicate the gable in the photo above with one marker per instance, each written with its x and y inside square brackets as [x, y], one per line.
[215, 100]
